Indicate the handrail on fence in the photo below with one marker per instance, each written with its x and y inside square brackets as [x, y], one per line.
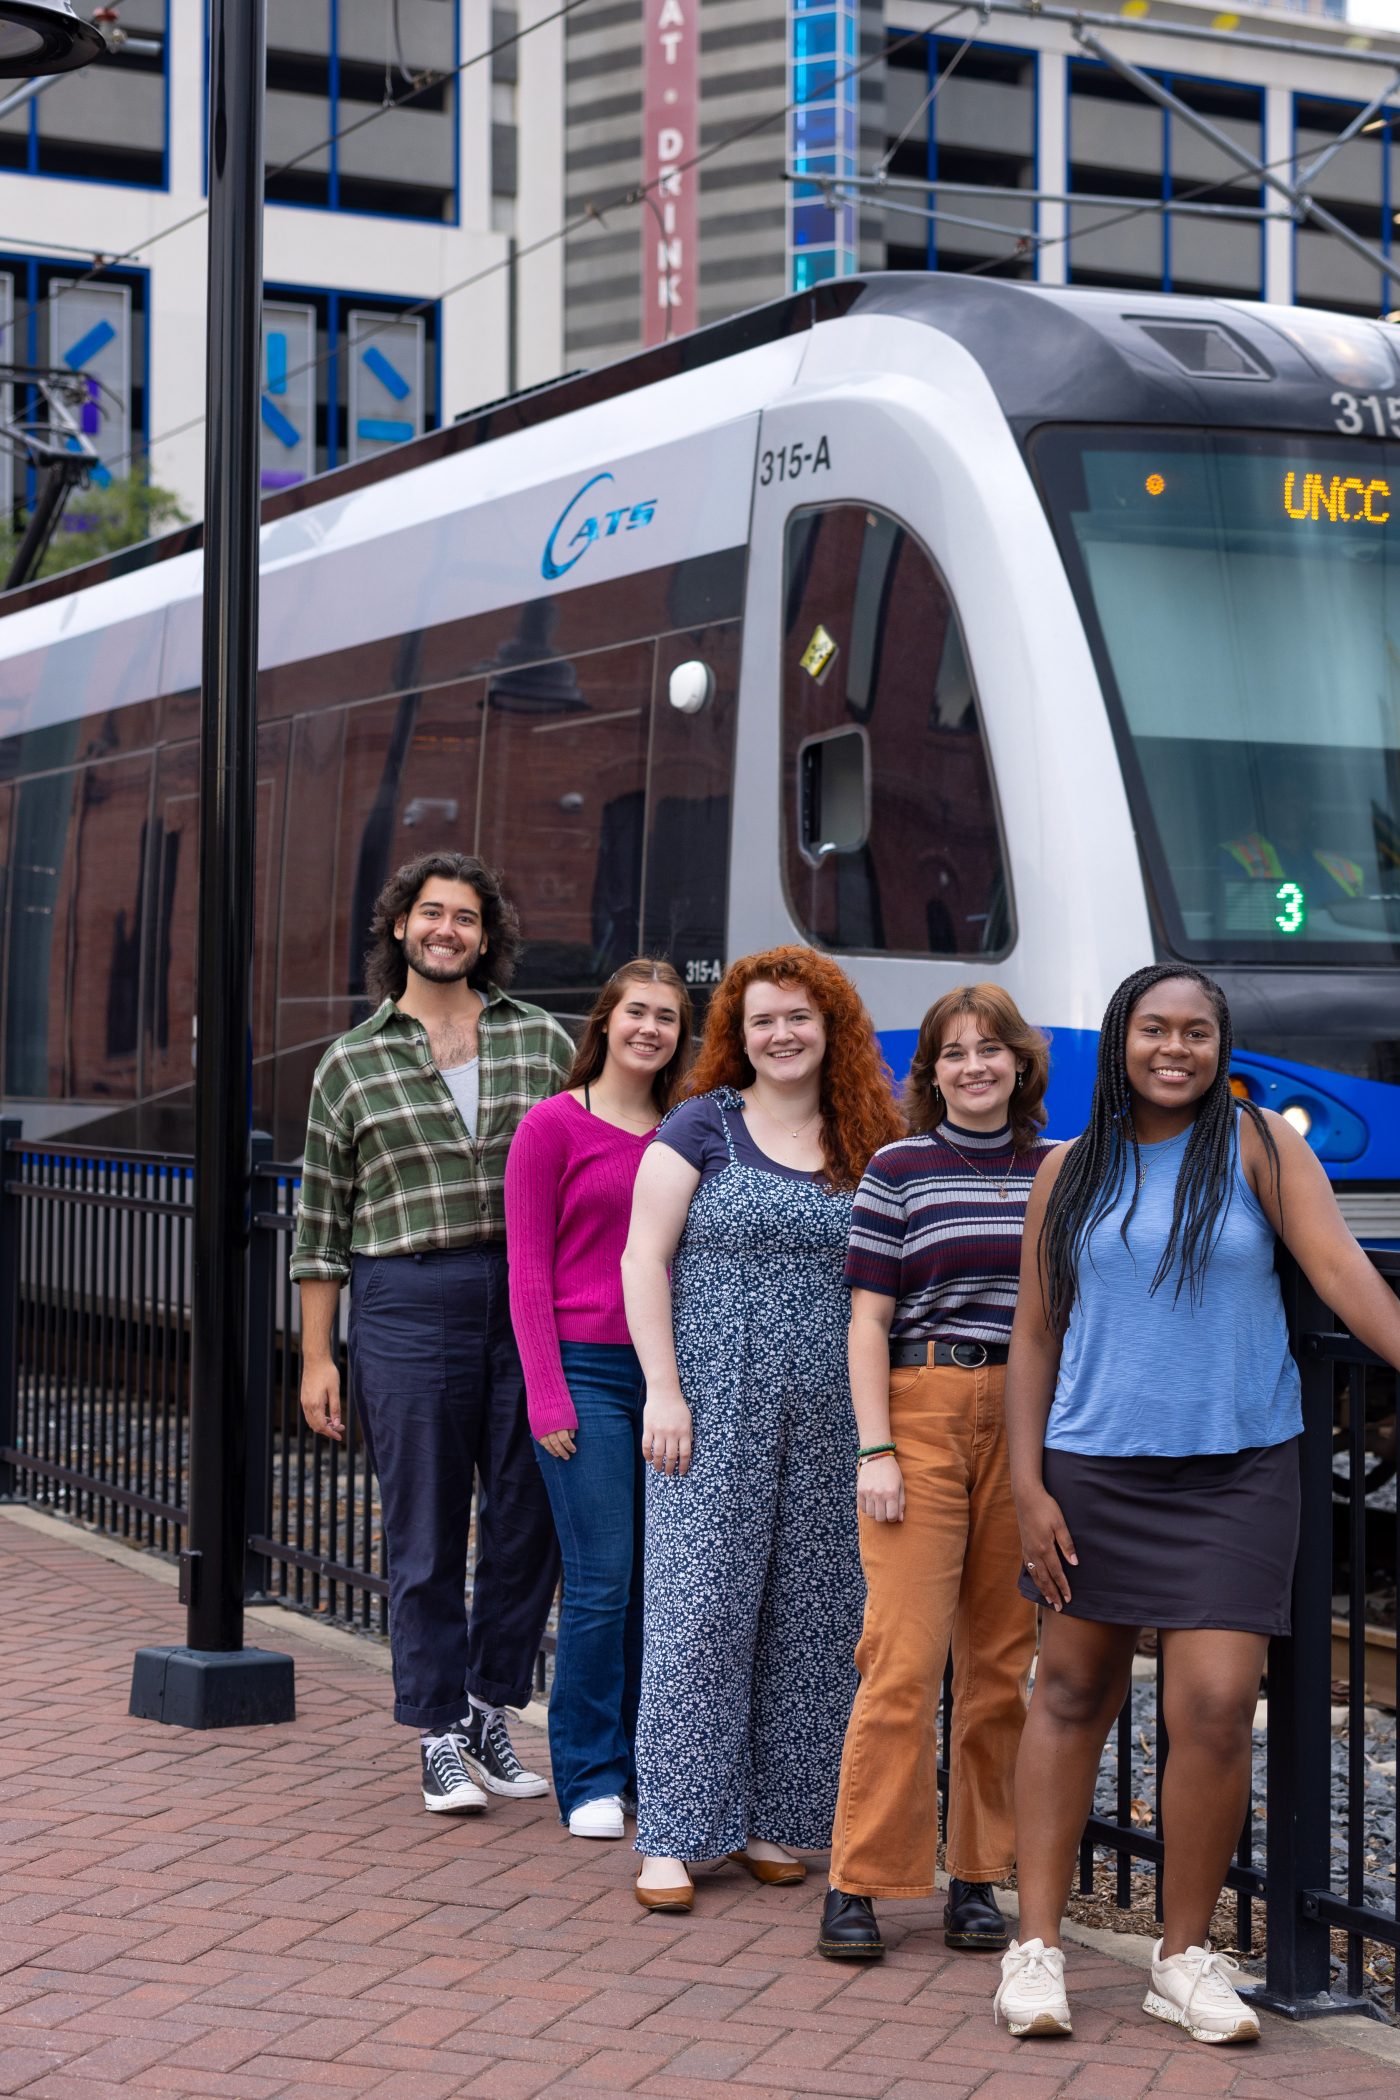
[95, 1288]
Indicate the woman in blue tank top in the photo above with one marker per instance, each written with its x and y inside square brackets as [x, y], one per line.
[1152, 1409]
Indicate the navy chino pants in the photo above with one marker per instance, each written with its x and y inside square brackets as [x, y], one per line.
[441, 1398]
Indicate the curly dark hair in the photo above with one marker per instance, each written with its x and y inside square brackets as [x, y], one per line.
[386, 967]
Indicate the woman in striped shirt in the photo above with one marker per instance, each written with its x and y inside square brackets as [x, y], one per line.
[933, 1260]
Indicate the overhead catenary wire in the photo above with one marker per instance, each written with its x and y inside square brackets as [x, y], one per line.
[421, 85]
[882, 164]
[591, 213]
[594, 212]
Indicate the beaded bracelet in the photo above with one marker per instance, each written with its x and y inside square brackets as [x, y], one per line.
[874, 1451]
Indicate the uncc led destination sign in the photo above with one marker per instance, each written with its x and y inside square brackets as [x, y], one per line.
[1337, 499]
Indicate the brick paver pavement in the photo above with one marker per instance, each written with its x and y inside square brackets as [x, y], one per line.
[268, 1914]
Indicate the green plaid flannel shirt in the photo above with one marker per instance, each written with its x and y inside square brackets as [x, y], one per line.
[389, 1168]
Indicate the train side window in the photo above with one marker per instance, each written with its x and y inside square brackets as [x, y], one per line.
[409, 787]
[172, 926]
[563, 803]
[833, 794]
[77, 905]
[890, 835]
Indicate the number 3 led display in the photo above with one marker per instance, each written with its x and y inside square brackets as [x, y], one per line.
[1292, 913]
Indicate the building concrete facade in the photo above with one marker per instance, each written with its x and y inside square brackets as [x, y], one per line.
[374, 218]
[995, 137]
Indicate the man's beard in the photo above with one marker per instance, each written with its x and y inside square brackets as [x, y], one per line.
[435, 972]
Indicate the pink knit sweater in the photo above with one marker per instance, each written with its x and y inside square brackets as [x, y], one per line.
[569, 1179]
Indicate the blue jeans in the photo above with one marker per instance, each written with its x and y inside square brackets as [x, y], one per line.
[598, 1509]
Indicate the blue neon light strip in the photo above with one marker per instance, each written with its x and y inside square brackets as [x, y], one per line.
[97, 338]
[278, 424]
[387, 375]
[823, 128]
[277, 363]
[375, 430]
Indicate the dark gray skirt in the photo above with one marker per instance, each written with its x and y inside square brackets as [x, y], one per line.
[1187, 1542]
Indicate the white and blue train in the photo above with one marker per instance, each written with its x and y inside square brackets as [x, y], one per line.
[964, 628]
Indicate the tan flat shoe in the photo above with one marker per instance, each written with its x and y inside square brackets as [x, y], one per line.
[679, 1899]
[776, 1873]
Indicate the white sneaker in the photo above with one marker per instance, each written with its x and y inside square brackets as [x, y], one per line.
[1193, 1990]
[597, 1819]
[1031, 1996]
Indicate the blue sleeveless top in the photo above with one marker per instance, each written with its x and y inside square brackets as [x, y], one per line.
[1161, 1375]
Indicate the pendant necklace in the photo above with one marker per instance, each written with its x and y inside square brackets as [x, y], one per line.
[801, 1126]
[1003, 1185]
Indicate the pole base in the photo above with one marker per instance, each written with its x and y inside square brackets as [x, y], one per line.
[1322, 2005]
[212, 1688]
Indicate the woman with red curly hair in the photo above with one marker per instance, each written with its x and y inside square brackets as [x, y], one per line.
[733, 1282]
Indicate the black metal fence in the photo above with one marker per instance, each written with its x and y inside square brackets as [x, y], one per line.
[95, 1276]
[95, 1268]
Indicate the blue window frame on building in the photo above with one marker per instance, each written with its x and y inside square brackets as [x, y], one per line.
[50, 316]
[108, 122]
[1360, 184]
[965, 119]
[345, 375]
[331, 63]
[1122, 145]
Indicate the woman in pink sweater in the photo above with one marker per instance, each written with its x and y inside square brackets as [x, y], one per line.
[569, 1179]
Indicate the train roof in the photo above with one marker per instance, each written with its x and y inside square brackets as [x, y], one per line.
[1050, 353]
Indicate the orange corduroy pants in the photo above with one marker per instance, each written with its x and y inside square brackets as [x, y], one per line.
[945, 1577]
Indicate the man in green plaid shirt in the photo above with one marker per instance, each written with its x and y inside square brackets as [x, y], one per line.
[402, 1195]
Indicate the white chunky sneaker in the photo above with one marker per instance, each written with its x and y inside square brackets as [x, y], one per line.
[598, 1819]
[1031, 1996]
[1193, 1990]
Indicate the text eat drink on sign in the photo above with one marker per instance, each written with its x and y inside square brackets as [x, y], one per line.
[670, 136]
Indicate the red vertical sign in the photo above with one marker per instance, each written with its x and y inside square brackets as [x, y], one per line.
[670, 136]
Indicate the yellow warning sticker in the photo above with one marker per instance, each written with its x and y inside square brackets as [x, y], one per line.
[817, 656]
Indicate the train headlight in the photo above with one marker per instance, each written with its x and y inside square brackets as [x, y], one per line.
[691, 686]
[1299, 1117]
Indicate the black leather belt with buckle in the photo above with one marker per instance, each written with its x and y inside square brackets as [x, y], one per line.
[968, 1356]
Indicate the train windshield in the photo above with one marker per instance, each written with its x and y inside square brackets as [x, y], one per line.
[1242, 593]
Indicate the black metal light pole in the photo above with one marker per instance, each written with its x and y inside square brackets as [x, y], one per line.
[215, 1682]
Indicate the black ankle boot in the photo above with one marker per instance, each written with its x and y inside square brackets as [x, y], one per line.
[849, 1929]
[971, 1919]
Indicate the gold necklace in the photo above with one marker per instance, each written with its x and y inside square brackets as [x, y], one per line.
[1003, 1188]
[778, 1123]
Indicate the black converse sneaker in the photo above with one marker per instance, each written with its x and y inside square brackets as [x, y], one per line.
[447, 1784]
[486, 1749]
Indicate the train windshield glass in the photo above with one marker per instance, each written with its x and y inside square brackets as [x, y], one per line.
[1242, 594]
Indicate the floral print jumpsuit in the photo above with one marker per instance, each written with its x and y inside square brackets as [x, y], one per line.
[753, 1587]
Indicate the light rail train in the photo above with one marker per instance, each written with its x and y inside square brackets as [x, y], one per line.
[964, 628]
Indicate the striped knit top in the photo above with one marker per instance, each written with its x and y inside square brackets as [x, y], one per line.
[937, 1227]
